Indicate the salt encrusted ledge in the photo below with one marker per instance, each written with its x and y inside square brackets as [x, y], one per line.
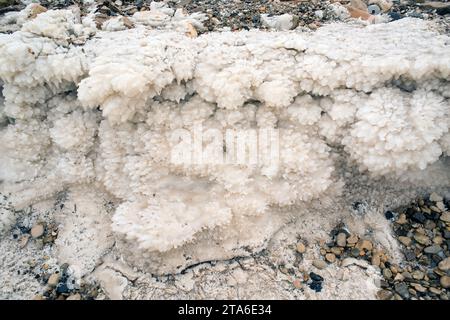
[85, 107]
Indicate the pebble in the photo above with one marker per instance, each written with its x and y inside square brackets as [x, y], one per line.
[355, 252]
[445, 216]
[337, 251]
[399, 277]
[37, 231]
[23, 241]
[418, 287]
[419, 217]
[444, 265]
[53, 280]
[405, 241]
[330, 257]
[445, 282]
[319, 264]
[421, 238]
[341, 239]
[315, 277]
[402, 290]
[435, 197]
[297, 284]
[387, 274]
[75, 296]
[352, 240]
[385, 295]
[418, 275]
[402, 219]
[434, 249]
[435, 290]
[364, 245]
[301, 248]
[440, 205]
[406, 275]
[376, 260]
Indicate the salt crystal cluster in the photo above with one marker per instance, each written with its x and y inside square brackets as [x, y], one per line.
[86, 106]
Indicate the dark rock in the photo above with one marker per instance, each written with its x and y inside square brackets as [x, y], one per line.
[316, 286]
[409, 255]
[62, 288]
[418, 217]
[395, 16]
[315, 277]
[389, 215]
[402, 290]
[446, 234]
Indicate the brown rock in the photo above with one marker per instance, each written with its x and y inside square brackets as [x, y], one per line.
[405, 241]
[301, 248]
[364, 245]
[297, 284]
[357, 13]
[444, 265]
[376, 260]
[421, 238]
[319, 264]
[445, 216]
[387, 274]
[341, 239]
[352, 240]
[337, 251]
[402, 219]
[53, 280]
[445, 282]
[37, 231]
[384, 295]
[330, 257]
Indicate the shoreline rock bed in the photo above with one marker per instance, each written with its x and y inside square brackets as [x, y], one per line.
[237, 15]
[423, 230]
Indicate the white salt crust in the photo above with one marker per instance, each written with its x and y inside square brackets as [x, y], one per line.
[83, 106]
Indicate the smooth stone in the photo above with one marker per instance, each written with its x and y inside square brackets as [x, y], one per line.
[37, 231]
[301, 248]
[385, 295]
[445, 282]
[434, 249]
[319, 264]
[402, 290]
[315, 277]
[330, 257]
[444, 265]
[53, 280]
[445, 216]
[402, 219]
[341, 239]
[364, 245]
[405, 240]
[418, 287]
[435, 197]
[421, 238]
[352, 240]
[418, 275]
[387, 274]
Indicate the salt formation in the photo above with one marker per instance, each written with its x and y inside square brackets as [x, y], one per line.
[99, 107]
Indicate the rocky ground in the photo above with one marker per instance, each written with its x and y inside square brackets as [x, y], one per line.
[344, 264]
[247, 14]
[423, 229]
